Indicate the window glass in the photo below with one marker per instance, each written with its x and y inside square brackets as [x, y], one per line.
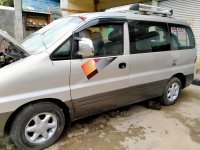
[107, 39]
[148, 36]
[181, 37]
[63, 52]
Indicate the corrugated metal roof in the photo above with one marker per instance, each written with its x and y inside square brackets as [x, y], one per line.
[39, 5]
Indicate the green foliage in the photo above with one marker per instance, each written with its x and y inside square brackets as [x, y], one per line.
[57, 1]
[7, 2]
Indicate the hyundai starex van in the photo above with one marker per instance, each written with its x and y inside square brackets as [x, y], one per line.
[90, 63]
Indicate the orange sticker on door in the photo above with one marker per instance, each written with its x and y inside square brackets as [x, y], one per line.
[94, 66]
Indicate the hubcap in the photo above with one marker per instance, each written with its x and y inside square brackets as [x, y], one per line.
[41, 128]
[173, 92]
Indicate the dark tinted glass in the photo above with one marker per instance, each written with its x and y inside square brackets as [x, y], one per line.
[63, 52]
[148, 36]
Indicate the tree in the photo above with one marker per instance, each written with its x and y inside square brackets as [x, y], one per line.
[57, 1]
[7, 3]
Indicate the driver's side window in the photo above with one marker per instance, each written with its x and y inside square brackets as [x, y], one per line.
[107, 39]
[63, 51]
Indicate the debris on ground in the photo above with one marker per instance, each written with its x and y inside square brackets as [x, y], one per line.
[154, 104]
[6, 144]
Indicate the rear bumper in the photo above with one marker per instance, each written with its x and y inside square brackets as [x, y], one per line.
[3, 119]
[189, 79]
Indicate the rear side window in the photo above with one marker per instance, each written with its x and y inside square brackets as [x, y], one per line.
[181, 37]
[146, 36]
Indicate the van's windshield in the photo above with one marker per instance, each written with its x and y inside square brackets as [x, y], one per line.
[45, 37]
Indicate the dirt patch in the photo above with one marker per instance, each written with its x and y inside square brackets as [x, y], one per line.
[187, 111]
[139, 127]
[5, 144]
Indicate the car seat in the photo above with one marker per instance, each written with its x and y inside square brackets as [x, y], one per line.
[115, 46]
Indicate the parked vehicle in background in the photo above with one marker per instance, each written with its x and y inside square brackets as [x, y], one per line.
[86, 64]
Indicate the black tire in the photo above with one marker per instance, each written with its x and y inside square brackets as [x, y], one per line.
[18, 133]
[165, 100]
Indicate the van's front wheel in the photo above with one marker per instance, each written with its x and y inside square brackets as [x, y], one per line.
[37, 126]
[172, 91]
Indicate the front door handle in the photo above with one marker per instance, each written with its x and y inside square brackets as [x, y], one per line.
[122, 65]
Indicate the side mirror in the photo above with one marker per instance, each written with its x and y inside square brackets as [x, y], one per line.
[86, 47]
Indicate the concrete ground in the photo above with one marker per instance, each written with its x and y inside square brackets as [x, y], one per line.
[135, 127]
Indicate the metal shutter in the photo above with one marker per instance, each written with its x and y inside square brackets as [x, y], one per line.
[186, 10]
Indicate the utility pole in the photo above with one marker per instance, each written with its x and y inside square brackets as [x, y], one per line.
[18, 20]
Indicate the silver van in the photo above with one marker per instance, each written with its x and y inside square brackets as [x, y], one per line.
[90, 63]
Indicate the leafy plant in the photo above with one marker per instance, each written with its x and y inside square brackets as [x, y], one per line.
[57, 1]
[7, 2]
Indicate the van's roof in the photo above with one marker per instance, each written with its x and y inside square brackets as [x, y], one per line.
[131, 15]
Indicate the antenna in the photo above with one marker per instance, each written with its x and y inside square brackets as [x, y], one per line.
[142, 9]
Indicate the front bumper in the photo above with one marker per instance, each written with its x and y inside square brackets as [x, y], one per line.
[3, 119]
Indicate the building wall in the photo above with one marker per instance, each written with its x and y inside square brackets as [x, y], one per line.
[75, 6]
[7, 17]
[105, 4]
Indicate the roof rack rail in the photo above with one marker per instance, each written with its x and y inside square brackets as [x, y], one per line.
[143, 9]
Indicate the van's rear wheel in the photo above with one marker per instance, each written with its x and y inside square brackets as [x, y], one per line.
[172, 91]
[37, 126]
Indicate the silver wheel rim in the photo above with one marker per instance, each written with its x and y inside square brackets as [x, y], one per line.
[41, 128]
[173, 92]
